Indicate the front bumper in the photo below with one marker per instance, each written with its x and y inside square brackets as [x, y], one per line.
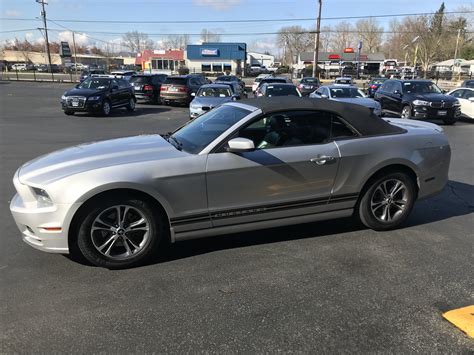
[426, 112]
[33, 223]
[89, 106]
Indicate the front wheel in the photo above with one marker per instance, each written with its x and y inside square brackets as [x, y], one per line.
[450, 121]
[106, 108]
[406, 112]
[387, 201]
[131, 105]
[119, 232]
[69, 113]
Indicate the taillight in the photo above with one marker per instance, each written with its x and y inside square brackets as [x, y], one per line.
[183, 89]
[373, 87]
[148, 88]
[164, 88]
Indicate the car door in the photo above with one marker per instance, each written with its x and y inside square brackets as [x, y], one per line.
[125, 91]
[115, 96]
[291, 177]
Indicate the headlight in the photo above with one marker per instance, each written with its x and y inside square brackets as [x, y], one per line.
[195, 107]
[64, 97]
[93, 98]
[457, 103]
[421, 103]
[42, 197]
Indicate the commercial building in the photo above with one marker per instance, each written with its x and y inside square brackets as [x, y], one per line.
[216, 58]
[254, 58]
[160, 60]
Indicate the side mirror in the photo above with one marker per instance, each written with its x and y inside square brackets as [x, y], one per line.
[324, 96]
[240, 144]
[396, 92]
[193, 94]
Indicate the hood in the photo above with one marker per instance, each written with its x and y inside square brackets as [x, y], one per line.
[210, 101]
[365, 101]
[84, 92]
[433, 97]
[90, 156]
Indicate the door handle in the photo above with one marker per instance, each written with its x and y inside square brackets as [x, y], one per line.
[321, 160]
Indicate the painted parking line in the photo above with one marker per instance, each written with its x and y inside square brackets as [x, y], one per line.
[463, 318]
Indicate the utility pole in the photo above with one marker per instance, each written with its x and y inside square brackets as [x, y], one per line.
[75, 53]
[456, 51]
[316, 39]
[43, 14]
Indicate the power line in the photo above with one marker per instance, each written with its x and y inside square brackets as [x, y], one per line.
[25, 30]
[243, 20]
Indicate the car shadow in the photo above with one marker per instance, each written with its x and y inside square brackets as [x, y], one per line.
[457, 199]
[122, 112]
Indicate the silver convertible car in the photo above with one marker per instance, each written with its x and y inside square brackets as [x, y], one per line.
[243, 166]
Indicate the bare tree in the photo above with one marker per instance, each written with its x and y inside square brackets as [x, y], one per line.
[295, 40]
[325, 39]
[370, 33]
[136, 41]
[176, 42]
[343, 36]
[209, 36]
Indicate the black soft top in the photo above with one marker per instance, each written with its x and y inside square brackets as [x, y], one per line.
[360, 117]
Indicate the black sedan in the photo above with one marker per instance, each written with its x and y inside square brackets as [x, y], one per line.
[417, 99]
[99, 95]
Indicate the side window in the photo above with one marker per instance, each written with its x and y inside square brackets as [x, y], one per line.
[286, 129]
[114, 83]
[468, 94]
[193, 81]
[155, 80]
[123, 84]
[340, 130]
[388, 86]
[325, 91]
[397, 87]
[458, 93]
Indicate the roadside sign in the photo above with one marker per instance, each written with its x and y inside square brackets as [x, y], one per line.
[64, 50]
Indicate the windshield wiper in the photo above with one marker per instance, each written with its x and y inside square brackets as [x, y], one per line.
[177, 144]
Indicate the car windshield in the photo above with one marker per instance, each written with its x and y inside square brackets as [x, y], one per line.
[309, 81]
[338, 93]
[214, 92]
[198, 133]
[176, 81]
[378, 81]
[281, 90]
[95, 83]
[226, 78]
[421, 87]
[140, 79]
[343, 81]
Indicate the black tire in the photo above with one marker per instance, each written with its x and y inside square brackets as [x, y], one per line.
[131, 105]
[69, 113]
[105, 111]
[86, 237]
[366, 206]
[406, 112]
[450, 121]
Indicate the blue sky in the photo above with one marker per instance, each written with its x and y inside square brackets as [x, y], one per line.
[203, 10]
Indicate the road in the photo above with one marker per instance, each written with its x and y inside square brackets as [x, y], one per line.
[321, 287]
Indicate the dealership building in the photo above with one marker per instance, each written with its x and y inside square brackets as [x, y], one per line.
[160, 60]
[216, 57]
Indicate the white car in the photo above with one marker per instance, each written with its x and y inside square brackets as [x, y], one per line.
[19, 67]
[257, 81]
[466, 99]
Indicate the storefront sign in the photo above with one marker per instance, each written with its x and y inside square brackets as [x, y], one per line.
[209, 52]
[64, 50]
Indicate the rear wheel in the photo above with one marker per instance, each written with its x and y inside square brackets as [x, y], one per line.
[406, 112]
[131, 104]
[119, 232]
[387, 201]
[69, 113]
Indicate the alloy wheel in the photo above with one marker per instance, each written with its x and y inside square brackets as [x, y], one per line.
[406, 112]
[120, 232]
[389, 200]
[106, 108]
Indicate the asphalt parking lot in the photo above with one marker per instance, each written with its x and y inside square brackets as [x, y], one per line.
[321, 287]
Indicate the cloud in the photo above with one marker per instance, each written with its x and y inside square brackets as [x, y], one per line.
[263, 45]
[66, 36]
[29, 36]
[219, 5]
[12, 13]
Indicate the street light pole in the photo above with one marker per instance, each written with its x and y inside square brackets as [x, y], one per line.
[43, 14]
[316, 39]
